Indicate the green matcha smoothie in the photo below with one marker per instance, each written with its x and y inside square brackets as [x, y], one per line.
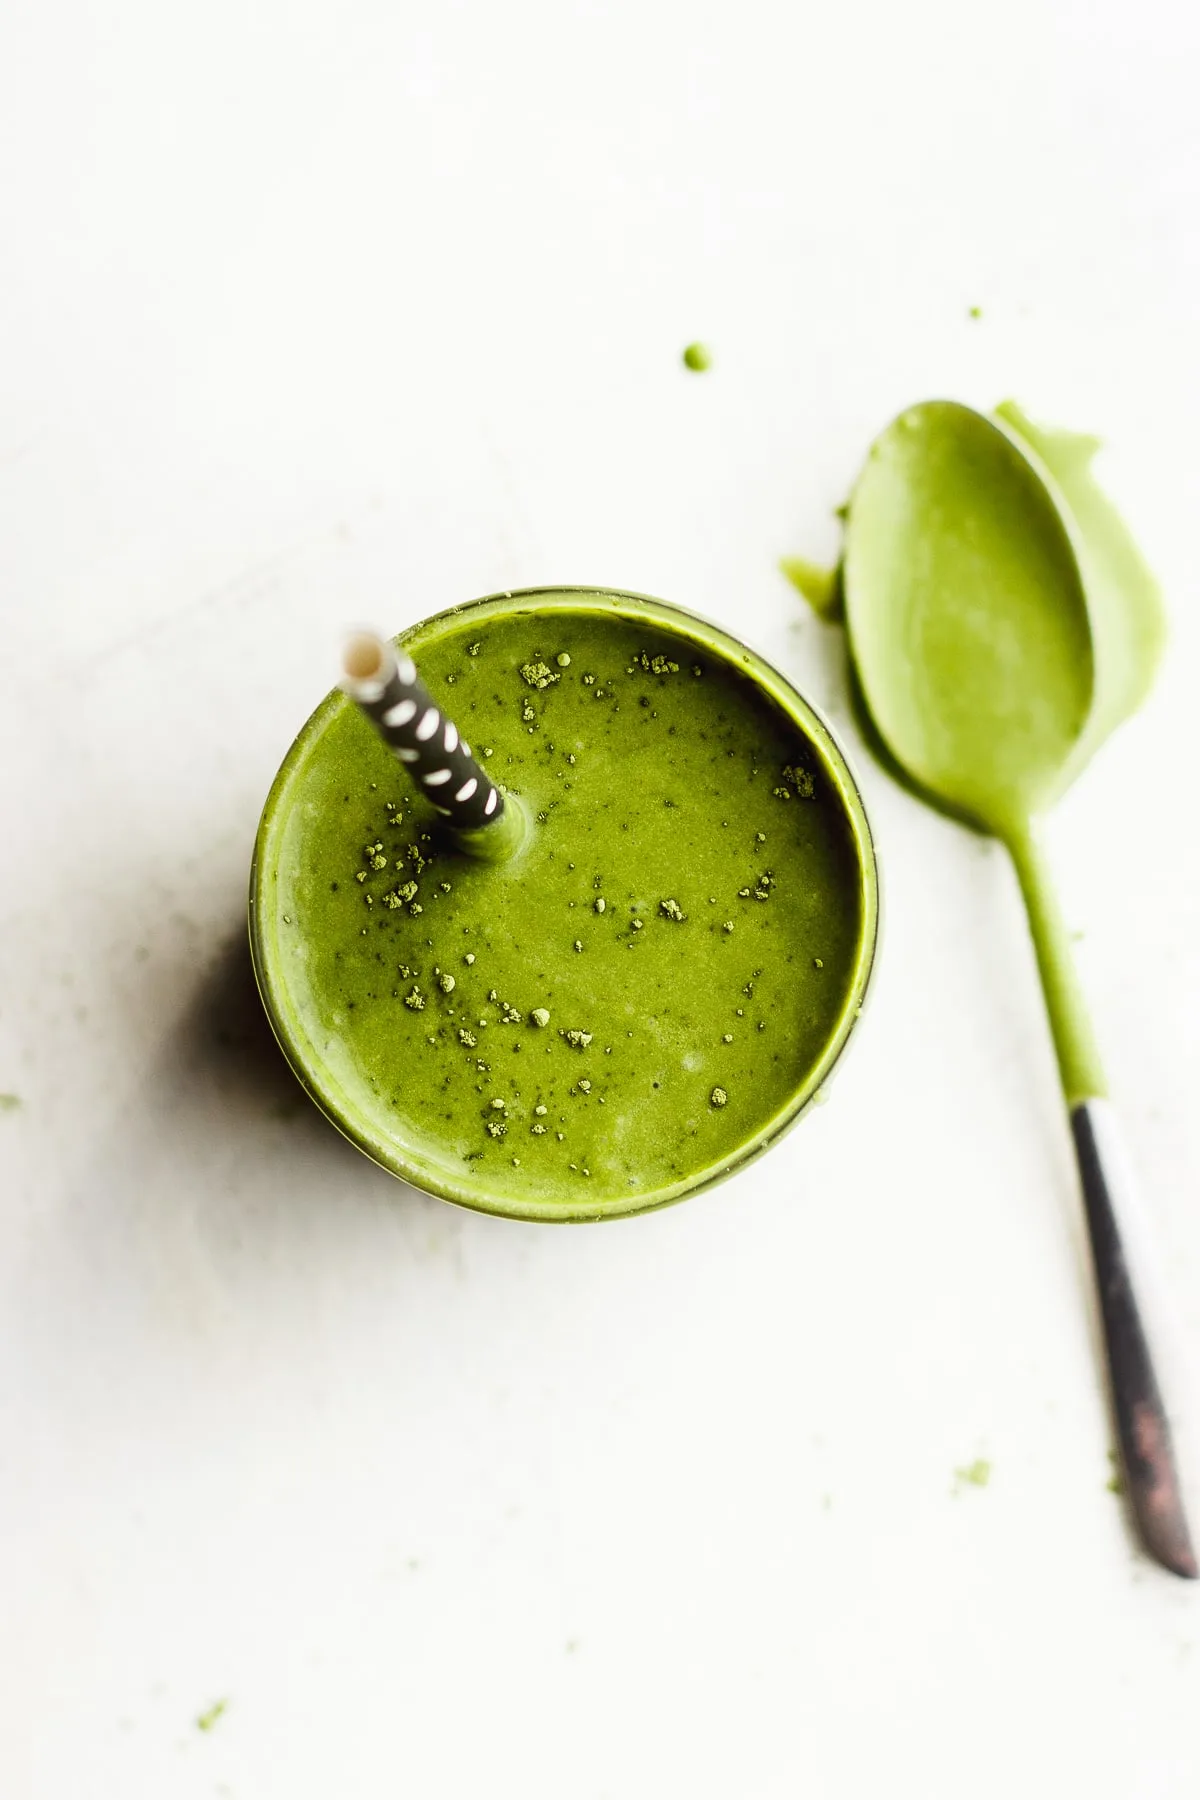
[640, 998]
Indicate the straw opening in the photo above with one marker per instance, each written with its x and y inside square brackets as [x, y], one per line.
[364, 656]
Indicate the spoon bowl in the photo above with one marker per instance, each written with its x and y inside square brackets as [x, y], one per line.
[968, 622]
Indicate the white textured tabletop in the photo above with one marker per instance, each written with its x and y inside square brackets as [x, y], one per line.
[312, 313]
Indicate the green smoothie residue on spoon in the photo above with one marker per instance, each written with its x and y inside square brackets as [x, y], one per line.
[1001, 624]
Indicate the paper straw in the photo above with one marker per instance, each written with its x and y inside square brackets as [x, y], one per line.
[386, 685]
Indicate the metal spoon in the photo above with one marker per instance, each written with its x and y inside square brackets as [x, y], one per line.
[1001, 624]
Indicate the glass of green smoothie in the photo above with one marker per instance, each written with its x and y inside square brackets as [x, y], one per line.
[648, 987]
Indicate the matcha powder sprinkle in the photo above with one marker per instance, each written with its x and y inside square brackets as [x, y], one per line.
[538, 674]
[718, 1097]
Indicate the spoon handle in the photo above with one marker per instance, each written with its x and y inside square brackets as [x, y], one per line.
[1151, 1479]
[1147, 1454]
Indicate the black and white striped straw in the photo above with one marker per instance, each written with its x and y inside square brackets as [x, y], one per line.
[386, 685]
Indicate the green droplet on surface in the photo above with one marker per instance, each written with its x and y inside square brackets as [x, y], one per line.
[975, 1474]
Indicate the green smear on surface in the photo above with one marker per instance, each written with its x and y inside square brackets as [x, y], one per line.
[821, 587]
[1124, 599]
[208, 1719]
[10, 1102]
[976, 1474]
[697, 358]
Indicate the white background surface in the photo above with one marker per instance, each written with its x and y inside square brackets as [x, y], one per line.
[316, 312]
